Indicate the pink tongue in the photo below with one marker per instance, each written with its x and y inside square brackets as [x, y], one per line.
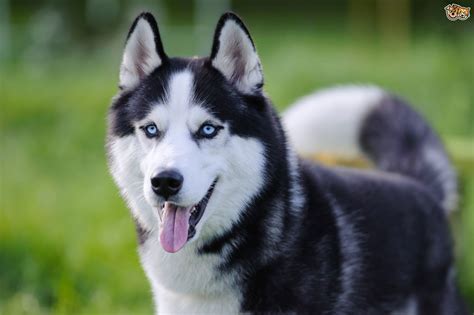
[174, 228]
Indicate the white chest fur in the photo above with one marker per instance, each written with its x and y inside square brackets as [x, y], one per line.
[188, 283]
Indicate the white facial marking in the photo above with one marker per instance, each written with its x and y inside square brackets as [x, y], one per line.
[180, 93]
[178, 119]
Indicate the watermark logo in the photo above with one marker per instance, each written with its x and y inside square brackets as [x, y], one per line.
[457, 12]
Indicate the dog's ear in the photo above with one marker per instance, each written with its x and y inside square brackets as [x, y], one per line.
[143, 51]
[234, 55]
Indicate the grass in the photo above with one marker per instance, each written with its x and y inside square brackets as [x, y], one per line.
[67, 243]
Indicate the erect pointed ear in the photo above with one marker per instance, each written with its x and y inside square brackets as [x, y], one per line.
[143, 51]
[234, 55]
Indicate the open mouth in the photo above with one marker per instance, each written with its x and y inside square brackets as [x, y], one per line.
[178, 224]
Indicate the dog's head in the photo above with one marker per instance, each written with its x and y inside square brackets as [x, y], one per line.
[451, 11]
[455, 12]
[188, 137]
[464, 13]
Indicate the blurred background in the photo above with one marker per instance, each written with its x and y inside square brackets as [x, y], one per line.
[67, 242]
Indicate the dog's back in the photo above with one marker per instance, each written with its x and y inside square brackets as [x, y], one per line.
[395, 249]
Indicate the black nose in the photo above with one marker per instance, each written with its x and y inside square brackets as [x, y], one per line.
[167, 183]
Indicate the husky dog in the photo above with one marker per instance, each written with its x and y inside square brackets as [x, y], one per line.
[231, 221]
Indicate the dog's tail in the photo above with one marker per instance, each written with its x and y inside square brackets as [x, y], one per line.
[354, 122]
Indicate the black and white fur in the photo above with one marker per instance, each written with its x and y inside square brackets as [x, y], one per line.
[279, 234]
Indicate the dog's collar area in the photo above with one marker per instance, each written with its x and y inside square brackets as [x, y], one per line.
[198, 211]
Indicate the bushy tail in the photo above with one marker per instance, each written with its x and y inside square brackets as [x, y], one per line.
[365, 121]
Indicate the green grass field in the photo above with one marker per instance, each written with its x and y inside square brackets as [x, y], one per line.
[67, 242]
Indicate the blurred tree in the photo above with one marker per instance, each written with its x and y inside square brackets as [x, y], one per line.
[360, 17]
[4, 30]
[394, 22]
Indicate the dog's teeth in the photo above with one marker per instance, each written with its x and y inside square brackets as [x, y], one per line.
[160, 213]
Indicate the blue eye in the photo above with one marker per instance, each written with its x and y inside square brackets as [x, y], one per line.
[208, 131]
[150, 130]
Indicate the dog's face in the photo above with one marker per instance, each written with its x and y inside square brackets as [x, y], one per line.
[455, 12]
[464, 13]
[184, 134]
[451, 11]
